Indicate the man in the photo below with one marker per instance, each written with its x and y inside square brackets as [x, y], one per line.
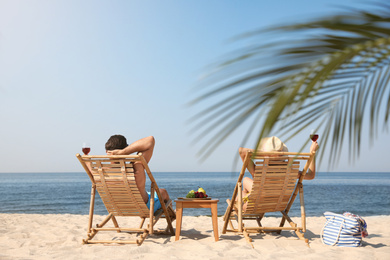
[117, 145]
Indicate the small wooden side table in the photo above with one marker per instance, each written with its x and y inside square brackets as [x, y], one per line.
[211, 204]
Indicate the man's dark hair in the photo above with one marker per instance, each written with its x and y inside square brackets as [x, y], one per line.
[116, 142]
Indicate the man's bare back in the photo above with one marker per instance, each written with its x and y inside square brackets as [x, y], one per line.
[117, 145]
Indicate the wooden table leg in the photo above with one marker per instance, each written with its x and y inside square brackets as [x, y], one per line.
[179, 217]
[214, 215]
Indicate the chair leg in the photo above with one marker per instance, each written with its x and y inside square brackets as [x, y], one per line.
[248, 239]
[94, 231]
[151, 210]
[227, 216]
[171, 213]
[230, 208]
[303, 213]
[91, 207]
[90, 236]
[282, 222]
[169, 222]
[115, 223]
[225, 221]
[301, 236]
[143, 237]
[142, 222]
[170, 218]
[240, 223]
[259, 218]
[105, 221]
[231, 224]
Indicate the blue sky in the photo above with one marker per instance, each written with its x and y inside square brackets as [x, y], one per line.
[75, 71]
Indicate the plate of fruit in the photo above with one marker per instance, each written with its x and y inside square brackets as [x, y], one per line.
[200, 194]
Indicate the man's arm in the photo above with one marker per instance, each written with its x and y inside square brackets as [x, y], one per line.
[144, 146]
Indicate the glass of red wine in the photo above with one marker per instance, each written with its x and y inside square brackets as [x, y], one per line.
[313, 136]
[86, 148]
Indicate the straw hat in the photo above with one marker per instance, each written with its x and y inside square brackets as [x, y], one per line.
[272, 144]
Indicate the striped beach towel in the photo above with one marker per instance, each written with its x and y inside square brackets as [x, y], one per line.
[340, 230]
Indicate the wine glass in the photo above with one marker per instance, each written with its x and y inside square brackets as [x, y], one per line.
[86, 148]
[313, 136]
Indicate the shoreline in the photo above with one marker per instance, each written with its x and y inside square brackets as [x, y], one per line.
[195, 216]
[48, 236]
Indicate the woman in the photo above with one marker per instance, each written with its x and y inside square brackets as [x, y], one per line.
[270, 144]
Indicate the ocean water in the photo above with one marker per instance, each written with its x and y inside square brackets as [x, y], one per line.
[365, 194]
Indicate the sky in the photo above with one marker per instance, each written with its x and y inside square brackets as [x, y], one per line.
[81, 71]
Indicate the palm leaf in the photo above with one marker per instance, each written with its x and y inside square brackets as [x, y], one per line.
[329, 74]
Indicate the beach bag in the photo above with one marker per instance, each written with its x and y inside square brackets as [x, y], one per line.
[343, 230]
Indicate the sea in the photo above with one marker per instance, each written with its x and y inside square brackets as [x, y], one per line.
[362, 193]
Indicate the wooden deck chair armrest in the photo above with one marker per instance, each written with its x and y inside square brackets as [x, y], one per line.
[247, 159]
[308, 162]
[235, 192]
[241, 176]
[152, 180]
[146, 167]
[86, 168]
[157, 191]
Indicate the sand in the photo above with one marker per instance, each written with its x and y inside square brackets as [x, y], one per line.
[51, 236]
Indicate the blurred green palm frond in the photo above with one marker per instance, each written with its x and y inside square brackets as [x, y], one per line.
[328, 74]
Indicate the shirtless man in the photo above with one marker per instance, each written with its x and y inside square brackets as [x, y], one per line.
[117, 145]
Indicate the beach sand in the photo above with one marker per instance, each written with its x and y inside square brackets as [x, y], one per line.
[51, 236]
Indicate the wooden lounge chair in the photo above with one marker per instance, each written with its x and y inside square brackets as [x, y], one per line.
[276, 184]
[113, 177]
